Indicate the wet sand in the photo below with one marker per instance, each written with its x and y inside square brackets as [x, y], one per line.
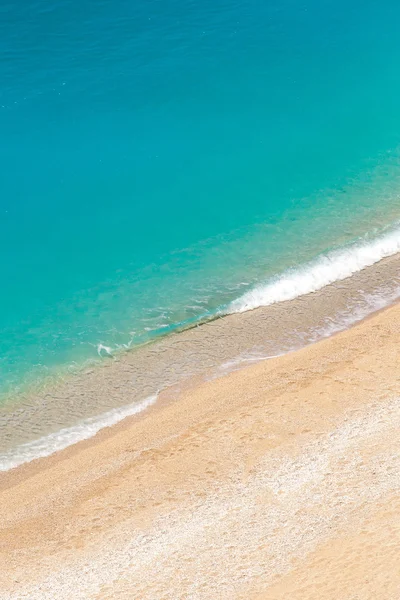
[277, 481]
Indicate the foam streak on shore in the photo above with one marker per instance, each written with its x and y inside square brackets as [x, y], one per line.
[54, 442]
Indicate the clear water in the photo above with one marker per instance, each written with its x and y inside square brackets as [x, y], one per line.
[161, 159]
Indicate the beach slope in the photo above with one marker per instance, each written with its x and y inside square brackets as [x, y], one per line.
[278, 481]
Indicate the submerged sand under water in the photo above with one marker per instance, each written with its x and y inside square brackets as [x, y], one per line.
[278, 480]
[75, 408]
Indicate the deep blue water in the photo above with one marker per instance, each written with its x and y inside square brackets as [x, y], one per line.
[158, 159]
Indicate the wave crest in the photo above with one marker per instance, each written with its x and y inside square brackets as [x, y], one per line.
[324, 270]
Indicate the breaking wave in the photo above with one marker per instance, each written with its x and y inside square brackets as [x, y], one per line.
[322, 271]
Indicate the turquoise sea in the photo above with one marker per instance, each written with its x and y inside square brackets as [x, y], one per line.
[166, 162]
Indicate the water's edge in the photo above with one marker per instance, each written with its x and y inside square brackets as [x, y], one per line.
[100, 397]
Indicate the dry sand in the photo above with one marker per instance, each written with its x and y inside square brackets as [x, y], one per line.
[278, 481]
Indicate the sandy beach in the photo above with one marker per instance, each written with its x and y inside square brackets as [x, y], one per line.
[277, 481]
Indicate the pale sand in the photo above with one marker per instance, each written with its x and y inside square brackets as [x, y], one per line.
[280, 481]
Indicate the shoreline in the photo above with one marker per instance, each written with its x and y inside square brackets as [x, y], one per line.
[240, 455]
[167, 395]
[242, 337]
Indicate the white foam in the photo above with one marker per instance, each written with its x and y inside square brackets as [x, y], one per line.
[101, 349]
[54, 442]
[324, 270]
